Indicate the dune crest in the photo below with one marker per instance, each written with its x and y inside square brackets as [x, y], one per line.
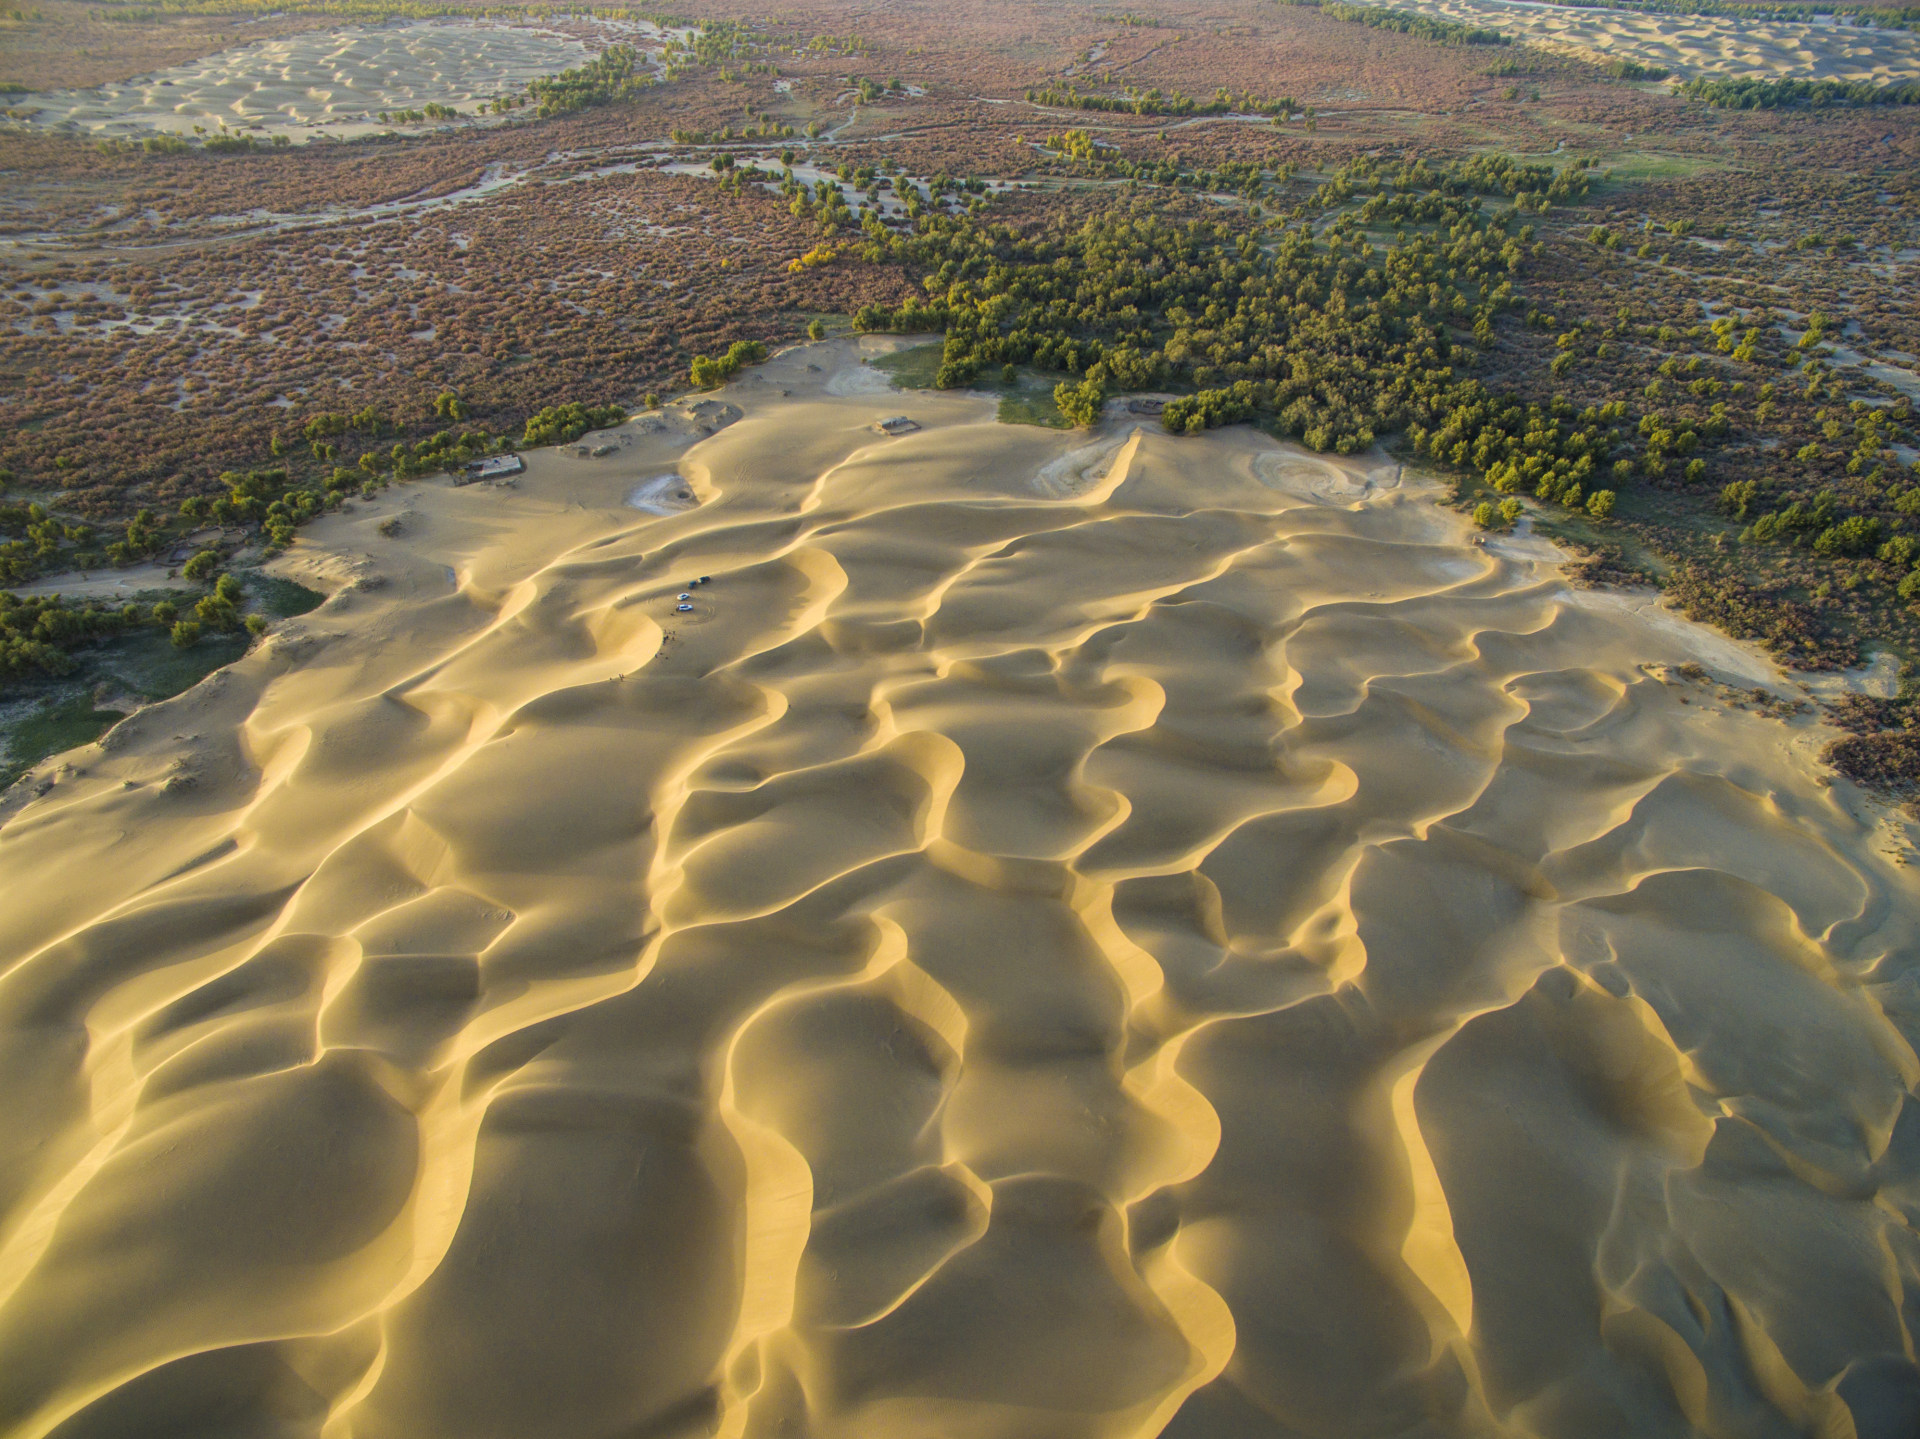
[1066, 938]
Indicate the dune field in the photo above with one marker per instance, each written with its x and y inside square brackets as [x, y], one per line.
[338, 79]
[1067, 936]
[1700, 44]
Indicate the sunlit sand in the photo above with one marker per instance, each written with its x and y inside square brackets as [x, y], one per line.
[1066, 936]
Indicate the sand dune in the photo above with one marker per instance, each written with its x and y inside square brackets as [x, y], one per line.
[1700, 44]
[1068, 939]
[340, 78]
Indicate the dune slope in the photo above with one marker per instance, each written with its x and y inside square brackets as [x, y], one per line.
[1062, 938]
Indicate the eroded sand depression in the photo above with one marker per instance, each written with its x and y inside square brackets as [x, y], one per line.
[1186, 945]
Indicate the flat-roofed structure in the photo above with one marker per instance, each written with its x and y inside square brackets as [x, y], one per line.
[491, 468]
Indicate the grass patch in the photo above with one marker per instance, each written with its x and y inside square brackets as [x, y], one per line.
[1553, 523]
[55, 715]
[837, 322]
[1027, 401]
[283, 599]
[57, 726]
[148, 663]
[1031, 405]
[1639, 166]
[912, 369]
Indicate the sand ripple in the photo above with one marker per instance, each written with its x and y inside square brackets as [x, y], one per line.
[1148, 951]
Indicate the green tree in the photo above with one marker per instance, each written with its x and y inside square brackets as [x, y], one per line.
[1080, 403]
[710, 374]
[1854, 535]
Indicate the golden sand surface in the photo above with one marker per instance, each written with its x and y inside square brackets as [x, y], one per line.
[1067, 937]
[1699, 44]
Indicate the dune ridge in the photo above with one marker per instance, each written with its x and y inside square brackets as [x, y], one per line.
[1066, 939]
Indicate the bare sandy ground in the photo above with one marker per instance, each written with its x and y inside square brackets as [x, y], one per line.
[1700, 44]
[1067, 936]
[339, 80]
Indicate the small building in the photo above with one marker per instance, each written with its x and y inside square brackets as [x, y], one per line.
[492, 467]
[1145, 406]
[895, 425]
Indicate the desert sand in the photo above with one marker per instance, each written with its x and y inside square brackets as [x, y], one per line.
[339, 80]
[1700, 44]
[1067, 936]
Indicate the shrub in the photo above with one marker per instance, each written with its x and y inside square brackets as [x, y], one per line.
[201, 565]
[1900, 551]
[1080, 403]
[1854, 535]
[710, 374]
[557, 424]
[186, 634]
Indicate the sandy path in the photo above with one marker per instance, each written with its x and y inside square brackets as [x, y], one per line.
[1063, 938]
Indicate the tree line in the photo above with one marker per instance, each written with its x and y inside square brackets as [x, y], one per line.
[1407, 22]
[1799, 94]
[1134, 101]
